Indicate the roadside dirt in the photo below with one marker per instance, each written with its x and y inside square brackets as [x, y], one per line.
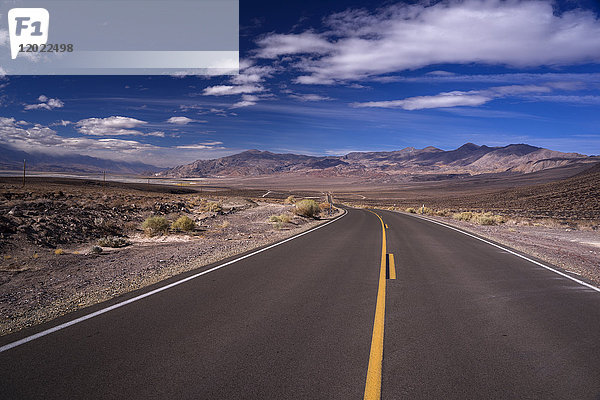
[48, 269]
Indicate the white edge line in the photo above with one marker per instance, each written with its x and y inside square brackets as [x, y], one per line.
[508, 250]
[158, 290]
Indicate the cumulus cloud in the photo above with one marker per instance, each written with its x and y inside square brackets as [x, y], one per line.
[358, 44]
[41, 138]
[45, 103]
[247, 83]
[456, 98]
[29, 137]
[113, 126]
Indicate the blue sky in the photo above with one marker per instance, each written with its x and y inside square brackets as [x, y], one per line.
[330, 77]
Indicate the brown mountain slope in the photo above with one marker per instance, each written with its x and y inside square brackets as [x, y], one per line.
[577, 197]
[469, 159]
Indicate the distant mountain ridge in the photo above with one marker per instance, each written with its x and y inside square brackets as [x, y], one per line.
[469, 159]
[12, 159]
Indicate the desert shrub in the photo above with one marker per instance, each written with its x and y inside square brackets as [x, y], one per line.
[225, 224]
[214, 206]
[155, 226]
[411, 210]
[211, 206]
[307, 208]
[282, 219]
[113, 241]
[442, 213]
[290, 200]
[483, 219]
[58, 252]
[463, 216]
[487, 218]
[204, 205]
[184, 224]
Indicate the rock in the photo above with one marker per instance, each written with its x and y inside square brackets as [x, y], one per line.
[15, 212]
[96, 250]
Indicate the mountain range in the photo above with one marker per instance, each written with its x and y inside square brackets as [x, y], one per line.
[427, 163]
[12, 159]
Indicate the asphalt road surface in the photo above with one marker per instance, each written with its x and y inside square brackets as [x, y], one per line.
[462, 320]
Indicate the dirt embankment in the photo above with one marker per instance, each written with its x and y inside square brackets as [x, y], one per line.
[48, 232]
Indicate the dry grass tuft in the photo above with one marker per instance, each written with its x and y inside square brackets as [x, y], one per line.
[485, 218]
[290, 200]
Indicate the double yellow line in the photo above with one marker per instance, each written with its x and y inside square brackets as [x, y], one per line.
[373, 384]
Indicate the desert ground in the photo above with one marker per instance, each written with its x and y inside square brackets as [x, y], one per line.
[70, 243]
[52, 263]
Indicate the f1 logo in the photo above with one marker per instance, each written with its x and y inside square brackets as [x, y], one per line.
[28, 26]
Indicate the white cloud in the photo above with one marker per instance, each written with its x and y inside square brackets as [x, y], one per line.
[201, 146]
[113, 126]
[440, 73]
[247, 101]
[449, 99]
[247, 82]
[252, 74]
[584, 99]
[180, 120]
[275, 45]
[227, 90]
[41, 138]
[360, 45]
[45, 104]
[456, 98]
[309, 97]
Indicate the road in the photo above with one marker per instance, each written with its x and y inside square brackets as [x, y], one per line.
[463, 319]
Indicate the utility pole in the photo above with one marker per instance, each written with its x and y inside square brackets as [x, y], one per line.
[24, 168]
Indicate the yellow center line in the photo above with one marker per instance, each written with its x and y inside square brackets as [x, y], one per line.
[373, 384]
[392, 266]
